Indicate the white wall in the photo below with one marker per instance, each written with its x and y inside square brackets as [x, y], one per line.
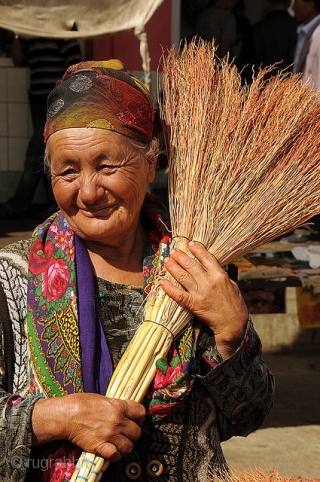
[15, 124]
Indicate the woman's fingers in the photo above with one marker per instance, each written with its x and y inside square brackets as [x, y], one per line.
[191, 272]
[203, 255]
[110, 429]
[206, 290]
[121, 429]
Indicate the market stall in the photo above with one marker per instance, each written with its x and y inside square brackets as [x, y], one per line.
[264, 276]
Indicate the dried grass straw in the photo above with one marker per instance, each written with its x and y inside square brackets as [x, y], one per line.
[259, 475]
[244, 161]
[244, 168]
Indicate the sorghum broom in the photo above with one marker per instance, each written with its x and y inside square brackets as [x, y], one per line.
[259, 475]
[244, 168]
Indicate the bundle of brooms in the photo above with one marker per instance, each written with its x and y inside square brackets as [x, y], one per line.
[244, 168]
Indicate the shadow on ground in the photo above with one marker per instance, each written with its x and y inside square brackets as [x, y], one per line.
[289, 440]
[297, 399]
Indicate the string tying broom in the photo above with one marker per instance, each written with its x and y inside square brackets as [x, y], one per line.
[244, 168]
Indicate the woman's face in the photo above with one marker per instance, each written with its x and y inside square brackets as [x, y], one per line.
[99, 181]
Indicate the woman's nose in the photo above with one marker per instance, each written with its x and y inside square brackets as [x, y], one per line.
[90, 188]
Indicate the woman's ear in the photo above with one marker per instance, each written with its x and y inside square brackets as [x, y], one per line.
[152, 170]
[152, 158]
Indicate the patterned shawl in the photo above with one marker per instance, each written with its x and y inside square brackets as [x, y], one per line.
[68, 349]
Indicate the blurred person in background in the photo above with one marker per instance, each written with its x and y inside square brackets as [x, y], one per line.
[275, 37]
[216, 21]
[244, 49]
[307, 62]
[47, 60]
[307, 54]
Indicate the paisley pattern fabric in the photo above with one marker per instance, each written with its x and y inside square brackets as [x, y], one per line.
[52, 311]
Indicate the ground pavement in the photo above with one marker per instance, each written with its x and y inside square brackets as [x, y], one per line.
[289, 440]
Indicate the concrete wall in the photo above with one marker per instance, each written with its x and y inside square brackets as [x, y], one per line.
[15, 127]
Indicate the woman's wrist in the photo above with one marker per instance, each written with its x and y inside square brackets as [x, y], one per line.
[229, 340]
[49, 420]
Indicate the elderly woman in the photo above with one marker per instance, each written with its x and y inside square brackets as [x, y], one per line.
[71, 301]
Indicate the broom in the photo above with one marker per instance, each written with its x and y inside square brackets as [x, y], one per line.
[244, 168]
[259, 475]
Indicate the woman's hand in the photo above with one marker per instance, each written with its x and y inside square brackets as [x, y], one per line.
[209, 294]
[97, 424]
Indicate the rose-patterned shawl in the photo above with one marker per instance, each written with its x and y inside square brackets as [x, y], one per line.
[68, 350]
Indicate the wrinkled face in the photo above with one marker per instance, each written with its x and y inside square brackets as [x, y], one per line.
[99, 181]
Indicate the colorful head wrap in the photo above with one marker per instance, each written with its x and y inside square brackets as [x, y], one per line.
[104, 95]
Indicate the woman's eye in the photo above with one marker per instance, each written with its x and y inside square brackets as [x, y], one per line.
[68, 172]
[108, 167]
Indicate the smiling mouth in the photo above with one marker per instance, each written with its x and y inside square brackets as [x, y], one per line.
[98, 212]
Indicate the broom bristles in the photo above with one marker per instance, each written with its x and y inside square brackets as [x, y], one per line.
[245, 160]
[258, 475]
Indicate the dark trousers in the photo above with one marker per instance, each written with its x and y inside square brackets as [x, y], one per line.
[33, 166]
